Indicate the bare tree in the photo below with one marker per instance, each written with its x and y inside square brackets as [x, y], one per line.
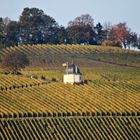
[6, 20]
[107, 27]
[84, 19]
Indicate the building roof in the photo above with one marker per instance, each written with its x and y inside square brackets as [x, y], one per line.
[72, 69]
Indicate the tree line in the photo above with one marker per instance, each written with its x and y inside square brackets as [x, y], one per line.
[36, 27]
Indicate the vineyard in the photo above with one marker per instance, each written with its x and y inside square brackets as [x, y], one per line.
[107, 106]
[57, 54]
[57, 97]
[13, 82]
[74, 128]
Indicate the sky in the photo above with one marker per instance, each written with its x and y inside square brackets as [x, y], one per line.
[113, 11]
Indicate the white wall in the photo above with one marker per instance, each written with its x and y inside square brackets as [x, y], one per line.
[72, 78]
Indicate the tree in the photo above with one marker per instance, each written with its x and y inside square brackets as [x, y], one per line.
[133, 40]
[12, 33]
[82, 20]
[99, 33]
[36, 27]
[138, 42]
[80, 34]
[107, 31]
[81, 30]
[62, 35]
[14, 61]
[59, 36]
[107, 36]
[6, 21]
[2, 34]
[121, 33]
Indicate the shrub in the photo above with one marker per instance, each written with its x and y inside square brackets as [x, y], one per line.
[43, 77]
[54, 79]
[14, 61]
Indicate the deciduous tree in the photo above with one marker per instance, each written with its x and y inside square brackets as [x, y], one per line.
[36, 27]
[81, 30]
[80, 34]
[121, 33]
[82, 20]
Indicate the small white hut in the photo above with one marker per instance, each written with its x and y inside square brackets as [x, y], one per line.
[72, 74]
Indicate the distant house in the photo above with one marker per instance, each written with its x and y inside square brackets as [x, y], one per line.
[72, 74]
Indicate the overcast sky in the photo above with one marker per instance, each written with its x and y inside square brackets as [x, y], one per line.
[63, 11]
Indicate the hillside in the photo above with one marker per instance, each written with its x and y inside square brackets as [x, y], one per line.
[106, 107]
[55, 55]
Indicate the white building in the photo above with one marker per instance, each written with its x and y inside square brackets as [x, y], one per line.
[72, 74]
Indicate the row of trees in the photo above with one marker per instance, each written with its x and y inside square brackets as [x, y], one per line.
[35, 27]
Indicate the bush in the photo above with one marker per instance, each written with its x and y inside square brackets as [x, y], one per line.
[107, 43]
[54, 79]
[14, 61]
[43, 77]
[85, 81]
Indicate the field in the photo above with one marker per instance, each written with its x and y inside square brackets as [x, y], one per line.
[107, 106]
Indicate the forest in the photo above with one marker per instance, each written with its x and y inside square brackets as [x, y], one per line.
[36, 27]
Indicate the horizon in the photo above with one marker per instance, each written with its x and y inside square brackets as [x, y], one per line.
[61, 11]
